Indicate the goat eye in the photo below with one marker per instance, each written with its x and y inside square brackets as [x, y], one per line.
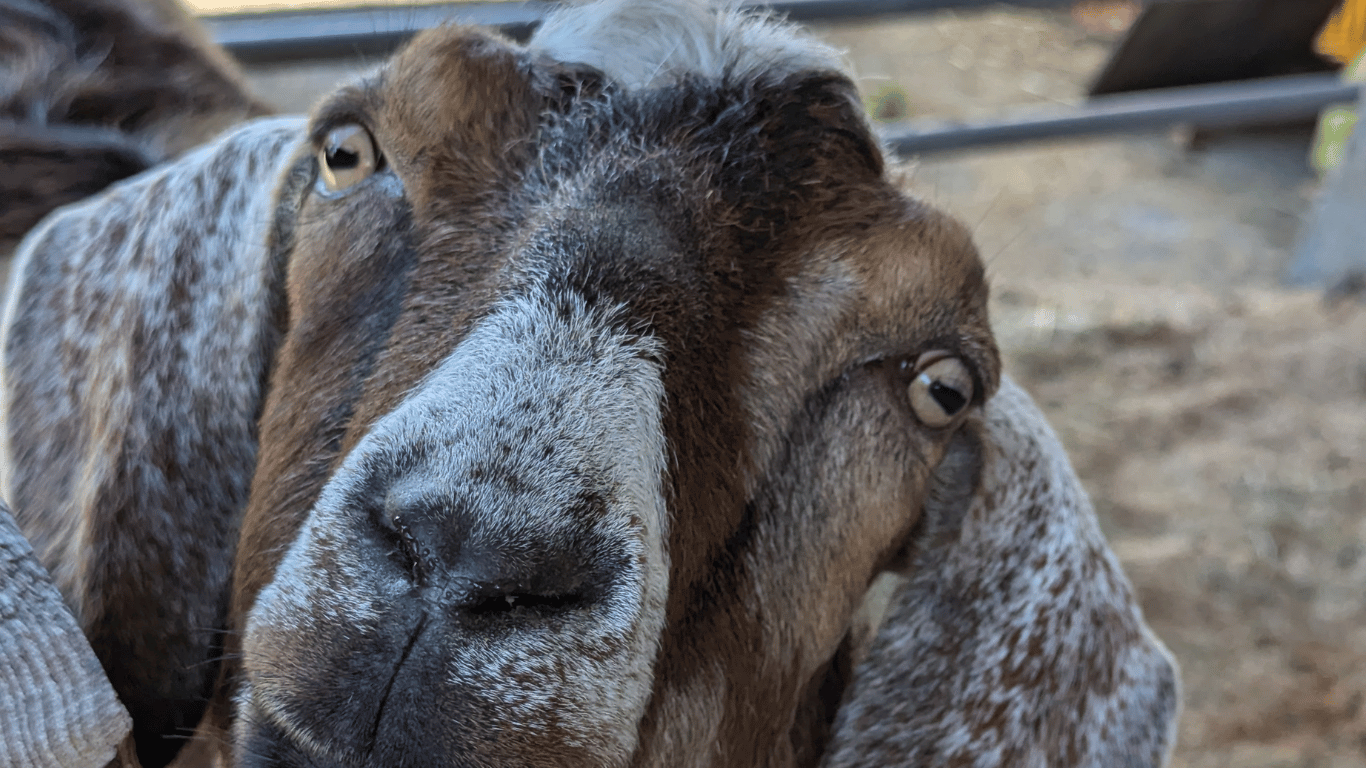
[941, 389]
[347, 157]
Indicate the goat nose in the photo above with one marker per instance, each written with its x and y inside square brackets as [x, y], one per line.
[461, 568]
[418, 545]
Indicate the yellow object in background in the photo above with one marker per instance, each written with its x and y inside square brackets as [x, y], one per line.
[1106, 15]
[1343, 37]
[1336, 126]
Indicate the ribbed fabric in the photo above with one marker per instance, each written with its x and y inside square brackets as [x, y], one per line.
[57, 709]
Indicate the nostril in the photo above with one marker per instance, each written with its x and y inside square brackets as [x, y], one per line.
[486, 604]
[480, 581]
[414, 548]
[462, 563]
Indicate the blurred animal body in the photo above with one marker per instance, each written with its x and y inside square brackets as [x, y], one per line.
[558, 405]
[93, 91]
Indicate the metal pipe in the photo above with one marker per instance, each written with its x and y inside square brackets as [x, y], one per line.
[346, 32]
[1247, 102]
[323, 33]
[370, 31]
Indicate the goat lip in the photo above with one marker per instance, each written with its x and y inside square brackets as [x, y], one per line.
[360, 685]
[373, 735]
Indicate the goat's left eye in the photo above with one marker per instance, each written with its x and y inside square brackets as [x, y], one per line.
[347, 157]
[941, 389]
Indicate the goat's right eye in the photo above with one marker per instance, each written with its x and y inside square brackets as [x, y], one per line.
[940, 390]
[347, 157]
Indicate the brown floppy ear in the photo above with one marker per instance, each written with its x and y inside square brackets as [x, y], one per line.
[1014, 638]
[139, 329]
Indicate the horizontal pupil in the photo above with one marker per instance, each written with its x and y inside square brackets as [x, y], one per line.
[341, 159]
[950, 399]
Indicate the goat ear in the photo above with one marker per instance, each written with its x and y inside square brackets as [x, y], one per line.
[1014, 638]
[138, 334]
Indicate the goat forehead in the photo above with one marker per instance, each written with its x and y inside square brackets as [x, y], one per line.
[454, 93]
[644, 42]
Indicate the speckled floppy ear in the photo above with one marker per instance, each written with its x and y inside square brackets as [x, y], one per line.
[139, 328]
[1014, 639]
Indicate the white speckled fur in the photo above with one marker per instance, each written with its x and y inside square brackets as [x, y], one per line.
[512, 369]
[989, 656]
[647, 43]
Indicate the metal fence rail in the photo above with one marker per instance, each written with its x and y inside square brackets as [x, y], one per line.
[343, 32]
[1245, 102]
[374, 31]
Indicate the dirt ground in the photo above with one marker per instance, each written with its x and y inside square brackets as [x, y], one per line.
[1217, 418]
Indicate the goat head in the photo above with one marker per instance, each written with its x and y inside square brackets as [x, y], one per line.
[558, 405]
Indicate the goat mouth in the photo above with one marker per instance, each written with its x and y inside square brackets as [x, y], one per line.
[372, 737]
[339, 709]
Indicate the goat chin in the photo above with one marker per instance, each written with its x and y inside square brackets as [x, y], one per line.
[595, 402]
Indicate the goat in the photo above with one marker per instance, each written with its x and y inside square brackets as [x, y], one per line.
[94, 91]
[558, 405]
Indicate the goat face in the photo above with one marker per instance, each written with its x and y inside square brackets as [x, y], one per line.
[610, 399]
[601, 378]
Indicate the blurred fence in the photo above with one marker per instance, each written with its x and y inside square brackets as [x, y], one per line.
[340, 32]
[322, 33]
